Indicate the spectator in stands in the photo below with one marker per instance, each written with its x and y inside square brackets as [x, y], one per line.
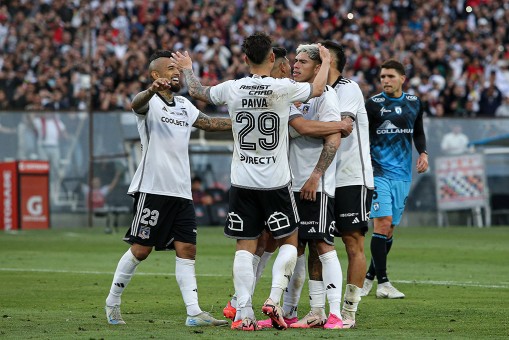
[454, 142]
[491, 99]
[199, 195]
[503, 109]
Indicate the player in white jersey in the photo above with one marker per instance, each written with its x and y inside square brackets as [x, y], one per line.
[312, 161]
[266, 243]
[354, 182]
[261, 191]
[164, 211]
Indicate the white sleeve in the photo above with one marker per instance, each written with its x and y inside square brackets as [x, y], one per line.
[219, 93]
[328, 106]
[350, 98]
[192, 111]
[298, 92]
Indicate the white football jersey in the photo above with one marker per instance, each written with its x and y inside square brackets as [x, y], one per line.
[259, 108]
[305, 151]
[164, 131]
[353, 166]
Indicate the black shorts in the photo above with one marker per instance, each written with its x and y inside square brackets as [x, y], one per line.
[252, 210]
[160, 220]
[352, 209]
[316, 218]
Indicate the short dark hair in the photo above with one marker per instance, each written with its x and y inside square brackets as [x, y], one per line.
[338, 51]
[257, 46]
[394, 64]
[279, 52]
[159, 54]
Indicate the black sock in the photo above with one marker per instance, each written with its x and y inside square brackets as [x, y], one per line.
[370, 275]
[389, 244]
[379, 256]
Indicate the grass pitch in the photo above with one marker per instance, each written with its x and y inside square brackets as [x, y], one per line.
[54, 283]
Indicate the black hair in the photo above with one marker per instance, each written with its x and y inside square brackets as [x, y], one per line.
[394, 64]
[338, 51]
[279, 52]
[257, 46]
[159, 54]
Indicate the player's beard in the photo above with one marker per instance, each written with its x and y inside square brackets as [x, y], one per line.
[175, 87]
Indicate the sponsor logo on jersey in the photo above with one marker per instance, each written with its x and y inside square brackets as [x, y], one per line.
[308, 222]
[411, 97]
[180, 100]
[384, 110]
[174, 121]
[378, 99]
[388, 128]
[348, 215]
[257, 90]
[355, 221]
[257, 160]
[398, 110]
[165, 109]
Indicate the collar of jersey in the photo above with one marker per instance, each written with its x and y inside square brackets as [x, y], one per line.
[257, 76]
[166, 102]
[400, 98]
[337, 81]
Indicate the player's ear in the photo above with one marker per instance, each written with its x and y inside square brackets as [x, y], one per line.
[246, 59]
[154, 74]
[272, 57]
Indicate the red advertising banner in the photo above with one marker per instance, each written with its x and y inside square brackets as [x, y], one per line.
[9, 196]
[25, 195]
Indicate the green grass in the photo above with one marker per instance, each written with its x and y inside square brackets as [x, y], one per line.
[54, 283]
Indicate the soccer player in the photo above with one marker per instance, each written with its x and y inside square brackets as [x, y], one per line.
[266, 244]
[354, 182]
[261, 190]
[164, 212]
[312, 161]
[395, 118]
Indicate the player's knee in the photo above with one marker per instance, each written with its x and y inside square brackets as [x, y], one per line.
[185, 250]
[354, 243]
[383, 225]
[140, 252]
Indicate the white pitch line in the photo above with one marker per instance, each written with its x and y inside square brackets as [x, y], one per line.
[502, 285]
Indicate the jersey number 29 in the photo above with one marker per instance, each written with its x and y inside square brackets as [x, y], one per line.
[268, 125]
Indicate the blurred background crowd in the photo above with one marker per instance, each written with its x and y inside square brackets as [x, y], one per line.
[456, 52]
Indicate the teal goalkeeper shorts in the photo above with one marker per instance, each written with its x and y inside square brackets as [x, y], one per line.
[389, 198]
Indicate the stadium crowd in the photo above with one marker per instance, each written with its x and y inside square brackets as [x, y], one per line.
[456, 52]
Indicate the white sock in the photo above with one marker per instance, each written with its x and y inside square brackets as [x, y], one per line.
[123, 274]
[186, 279]
[243, 279]
[332, 280]
[233, 301]
[292, 293]
[256, 261]
[261, 266]
[351, 301]
[282, 270]
[317, 296]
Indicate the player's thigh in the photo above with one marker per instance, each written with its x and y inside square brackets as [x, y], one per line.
[400, 190]
[245, 217]
[382, 198]
[352, 209]
[316, 218]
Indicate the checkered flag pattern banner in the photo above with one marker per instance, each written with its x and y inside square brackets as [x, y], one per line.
[461, 182]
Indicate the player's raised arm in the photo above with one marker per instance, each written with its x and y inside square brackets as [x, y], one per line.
[196, 89]
[207, 123]
[140, 101]
[320, 80]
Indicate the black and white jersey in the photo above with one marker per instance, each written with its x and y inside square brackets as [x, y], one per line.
[353, 166]
[259, 108]
[164, 131]
[305, 151]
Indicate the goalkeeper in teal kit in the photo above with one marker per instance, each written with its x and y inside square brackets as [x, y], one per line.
[395, 119]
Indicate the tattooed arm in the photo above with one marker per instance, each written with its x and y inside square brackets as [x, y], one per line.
[330, 147]
[196, 89]
[207, 123]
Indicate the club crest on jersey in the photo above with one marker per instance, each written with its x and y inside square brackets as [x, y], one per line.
[398, 110]
[304, 108]
[376, 206]
[144, 232]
